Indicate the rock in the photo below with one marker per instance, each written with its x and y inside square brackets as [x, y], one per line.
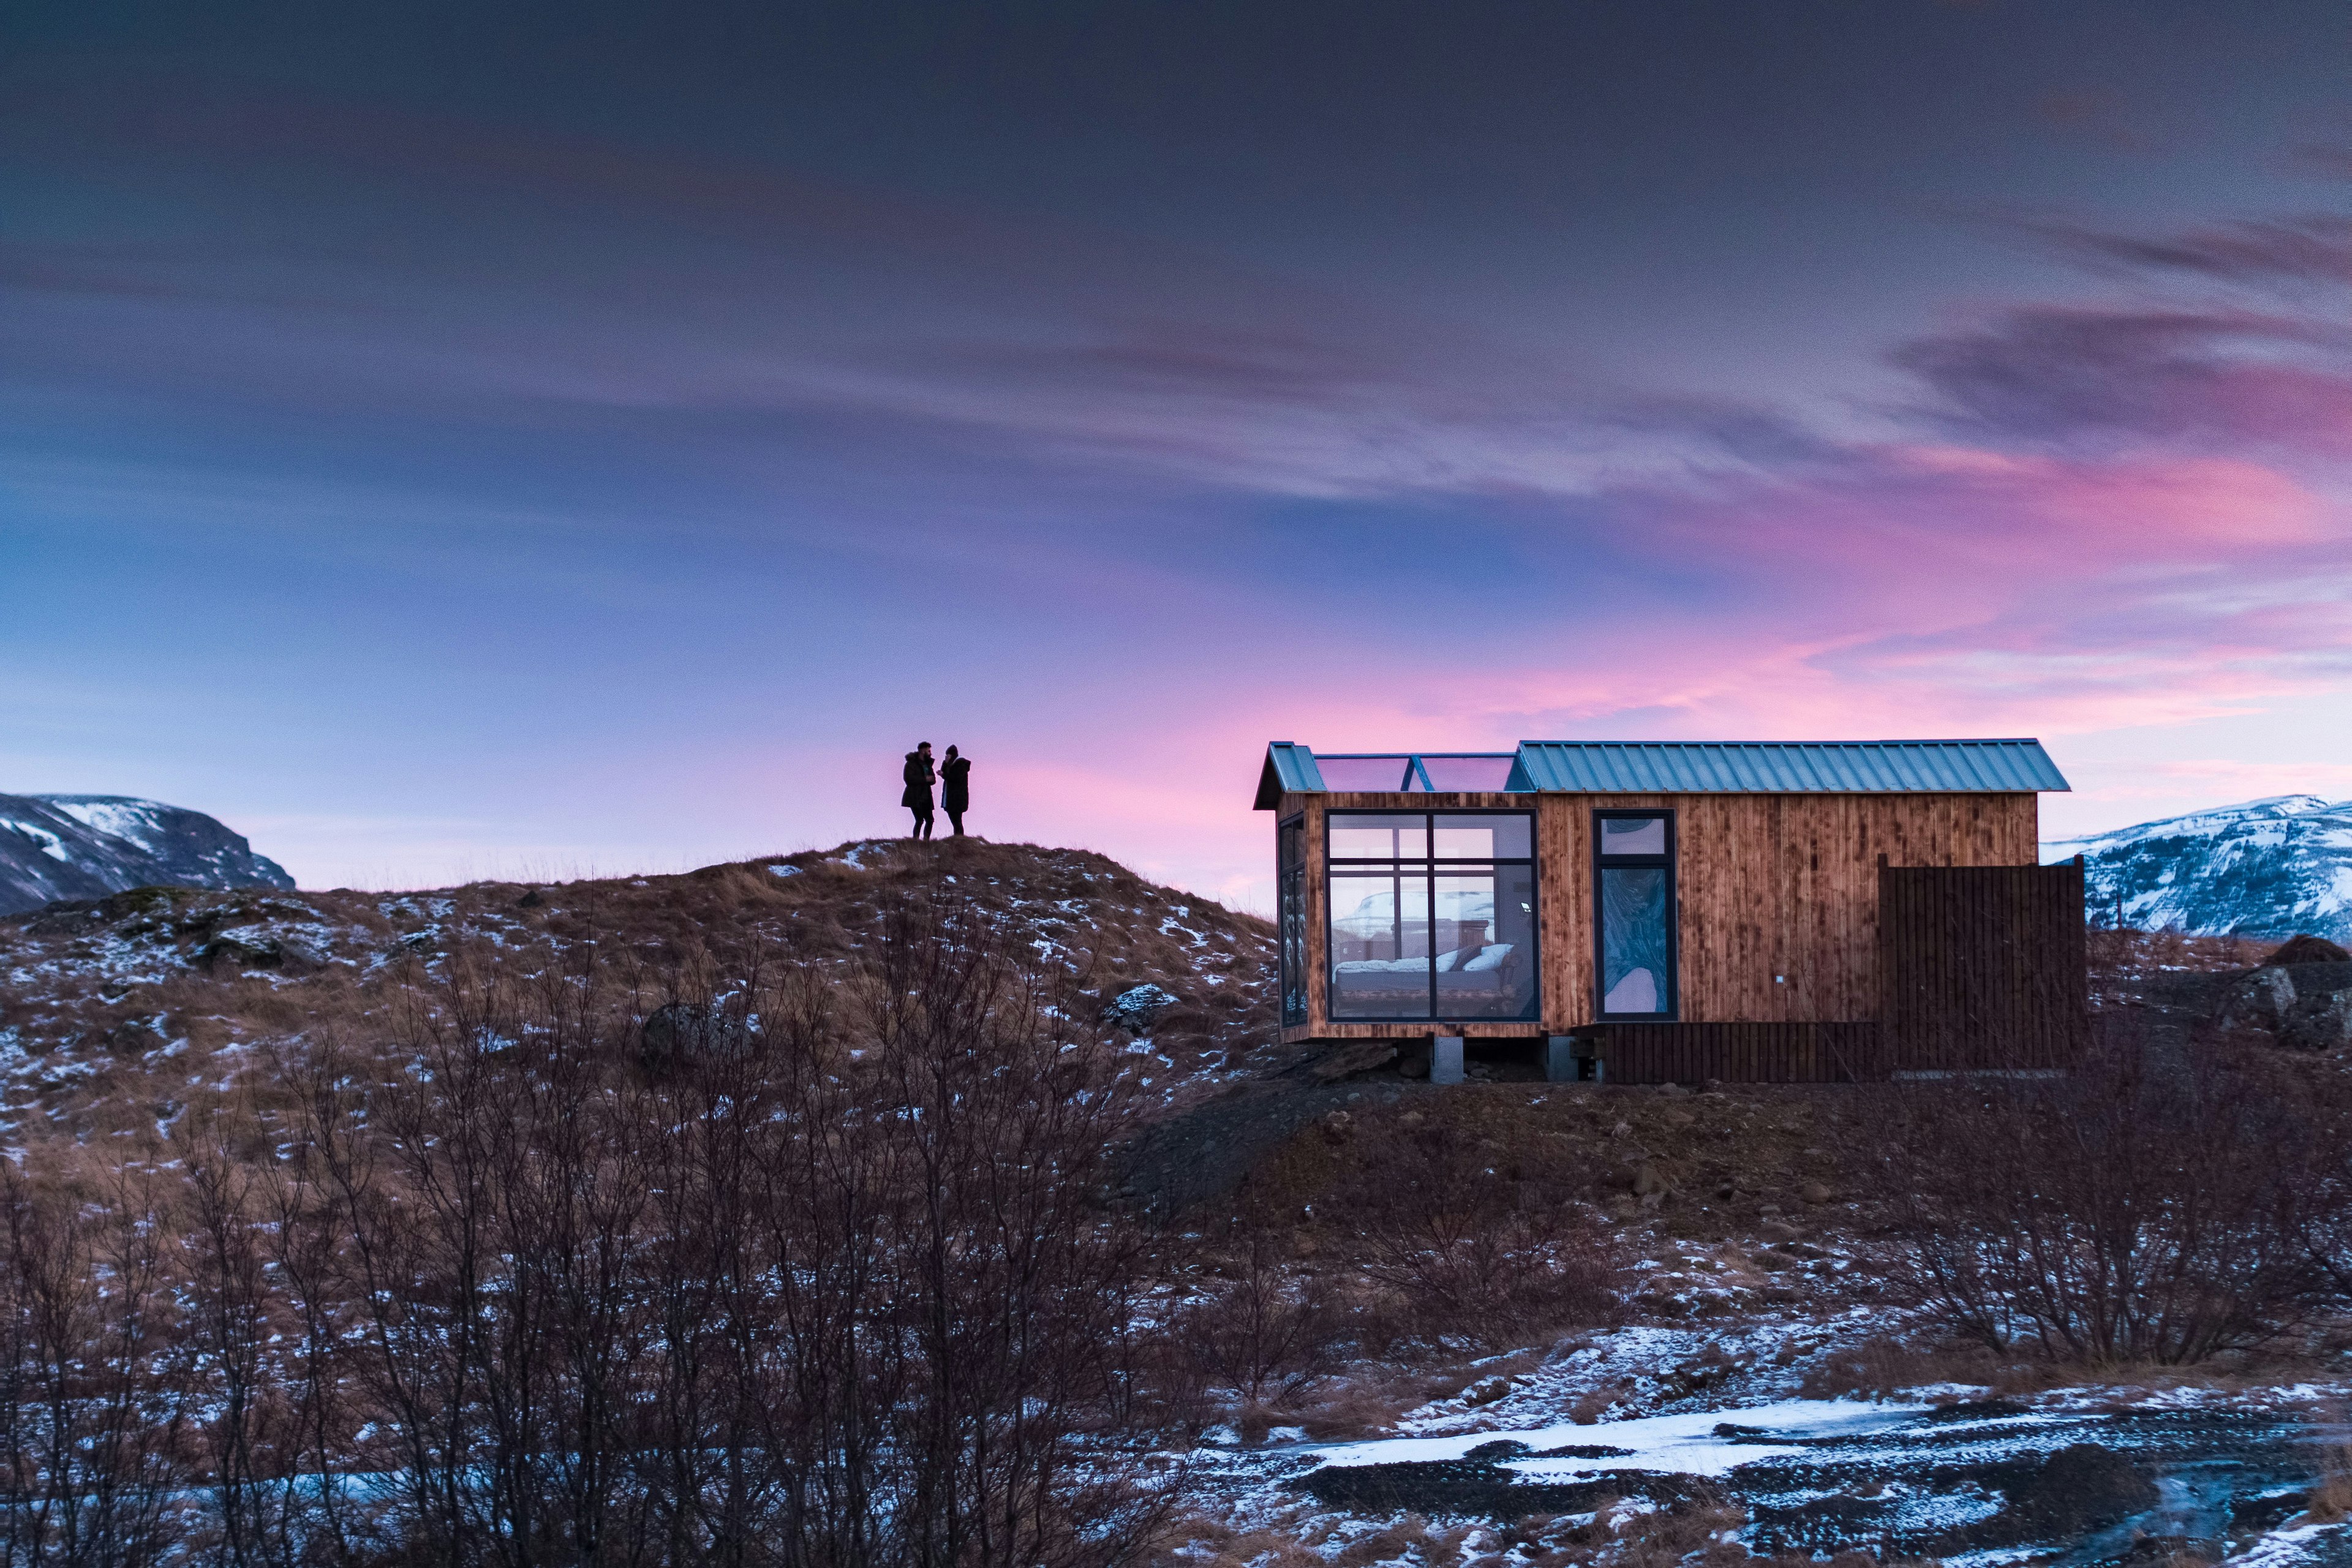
[2321, 1023]
[1488, 1392]
[240, 951]
[134, 1038]
[677, 1033]
[1647, 1183]
[1774, 1230]
[1622, 1130]
[2256, 1001]
[530, 900]
[1338, 1125]
[2306, 949]
[1413, 1060]
[1134, 1010]
[1349, 1057]
[1815, 1192]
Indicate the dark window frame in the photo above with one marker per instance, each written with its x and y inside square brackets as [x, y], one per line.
[1292, 967]
[1430, 863]
[1670, 862]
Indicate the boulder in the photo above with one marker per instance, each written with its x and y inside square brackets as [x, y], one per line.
[2306, 949]
[1135, 1010]
[2256, 1001]
[679, 1032]
[2320, 1023]
[1349, 1057]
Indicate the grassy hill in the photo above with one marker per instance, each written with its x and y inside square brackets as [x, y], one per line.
[115, 1012]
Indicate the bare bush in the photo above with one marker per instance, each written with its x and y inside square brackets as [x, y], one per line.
[828, 1282]
[92, 1395]
[1266, 1332]
[1467, 1254]
[2140, 1209]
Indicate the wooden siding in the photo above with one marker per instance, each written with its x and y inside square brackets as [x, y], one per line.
[1770, 884]
[1986, 966]
[1740, 1053]
[1767, 885]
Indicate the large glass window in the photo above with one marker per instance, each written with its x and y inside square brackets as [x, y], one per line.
[1634, 889]
[1290, 877]
[1432, 915]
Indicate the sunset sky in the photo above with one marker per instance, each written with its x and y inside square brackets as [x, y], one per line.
[453, 441]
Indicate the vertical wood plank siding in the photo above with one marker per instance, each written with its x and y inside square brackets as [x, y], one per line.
[1742, 1053]
[1767, 885]
[1986, 966]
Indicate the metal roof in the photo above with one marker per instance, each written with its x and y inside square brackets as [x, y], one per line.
[1710, 767]
[1289, 770]
[1785, 767]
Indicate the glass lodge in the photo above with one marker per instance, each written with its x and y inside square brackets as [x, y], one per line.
[1542, 892]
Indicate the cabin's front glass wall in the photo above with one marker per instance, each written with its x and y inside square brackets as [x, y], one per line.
[1432, 917]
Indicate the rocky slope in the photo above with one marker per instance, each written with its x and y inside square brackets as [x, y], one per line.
[2263, 867]
[57, 846]
[110, 1007]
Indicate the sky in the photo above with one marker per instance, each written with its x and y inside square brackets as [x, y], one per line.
[541, 440]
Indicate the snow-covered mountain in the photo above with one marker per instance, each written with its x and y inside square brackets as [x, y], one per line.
[87, 846]
[2265, 867]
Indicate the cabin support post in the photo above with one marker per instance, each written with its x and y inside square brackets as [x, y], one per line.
[1446, 1059]
[1560, 1063]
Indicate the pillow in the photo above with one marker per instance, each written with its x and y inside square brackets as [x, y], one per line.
[1492, 958]
[1383, 966]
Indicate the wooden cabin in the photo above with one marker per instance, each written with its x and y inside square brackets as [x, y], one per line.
[1678, 912]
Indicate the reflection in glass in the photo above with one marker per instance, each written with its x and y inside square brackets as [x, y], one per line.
[1482, 838]
[1484, 937]
[1380, 773]
[1369, 835]
[1467, 772]
[1633, 939]
[1379, 945]
[1632, 836]
[1290, 862]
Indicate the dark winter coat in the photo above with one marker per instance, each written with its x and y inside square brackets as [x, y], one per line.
[918, 776]
[955, 784]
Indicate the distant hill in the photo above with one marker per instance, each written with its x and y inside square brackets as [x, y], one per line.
[57, 846]
[2264, 868]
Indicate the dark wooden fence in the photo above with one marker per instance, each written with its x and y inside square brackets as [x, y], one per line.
[1982, 966]
[1738, 1052]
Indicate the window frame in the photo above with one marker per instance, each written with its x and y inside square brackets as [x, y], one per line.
[1670, 862]
[1427, 867]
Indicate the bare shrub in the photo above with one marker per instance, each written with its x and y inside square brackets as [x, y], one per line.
[2139, 1208]
[90, 1392]
[1266, 1332]
[1465, 1255]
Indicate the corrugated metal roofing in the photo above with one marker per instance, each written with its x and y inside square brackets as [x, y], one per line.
[1785, 767]
[1726, 767]
[1289, 769]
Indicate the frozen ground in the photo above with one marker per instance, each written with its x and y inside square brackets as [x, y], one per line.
[2073, 1476]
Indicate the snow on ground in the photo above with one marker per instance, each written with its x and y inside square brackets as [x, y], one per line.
[1699, 1442]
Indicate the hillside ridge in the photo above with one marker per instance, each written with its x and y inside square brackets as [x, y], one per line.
[55, 846]
[2267, 868]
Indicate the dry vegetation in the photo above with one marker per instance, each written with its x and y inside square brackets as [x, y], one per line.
[769, 1214]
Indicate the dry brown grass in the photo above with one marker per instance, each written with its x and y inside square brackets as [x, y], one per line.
[95, 1074]
[2329, 1500]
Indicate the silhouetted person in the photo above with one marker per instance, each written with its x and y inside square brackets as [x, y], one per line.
[955, 788]
[919, 779]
